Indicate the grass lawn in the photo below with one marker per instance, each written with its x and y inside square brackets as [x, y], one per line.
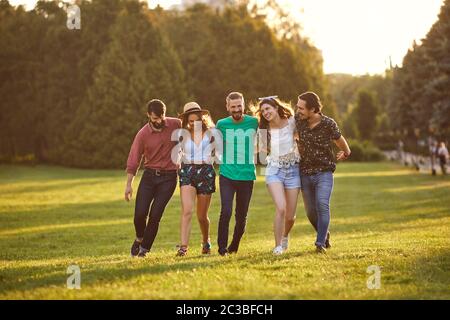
[382, 214]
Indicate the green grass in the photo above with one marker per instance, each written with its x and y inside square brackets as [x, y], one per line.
[382, 214]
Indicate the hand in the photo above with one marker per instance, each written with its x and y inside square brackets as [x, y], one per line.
[341, 155]
[128, 193]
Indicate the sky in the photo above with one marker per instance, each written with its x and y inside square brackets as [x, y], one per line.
[355, 36]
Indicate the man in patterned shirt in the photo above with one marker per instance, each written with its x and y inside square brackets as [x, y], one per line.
[317, 164]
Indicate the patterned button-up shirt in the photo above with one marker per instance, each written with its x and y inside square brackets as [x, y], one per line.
[316, 145]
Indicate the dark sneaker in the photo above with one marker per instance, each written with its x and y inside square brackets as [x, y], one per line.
[206, 248]
[182, 251]
[232, 249]
[135, 248]
[142, 252]
[320, 249]
[327, 242]
[223, 252]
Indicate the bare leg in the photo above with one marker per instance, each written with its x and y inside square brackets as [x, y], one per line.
[291, 208]
[203, 202]
[188, 194]
[276, 190]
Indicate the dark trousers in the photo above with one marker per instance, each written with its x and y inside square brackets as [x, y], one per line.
[243, 191]
[443, 163]
[155, 191]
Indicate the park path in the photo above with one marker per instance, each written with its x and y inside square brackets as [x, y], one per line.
[418, 161]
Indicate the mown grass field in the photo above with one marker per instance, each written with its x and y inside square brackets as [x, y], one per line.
[382, 214]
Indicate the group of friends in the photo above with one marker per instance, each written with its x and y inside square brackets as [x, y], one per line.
[295, 147]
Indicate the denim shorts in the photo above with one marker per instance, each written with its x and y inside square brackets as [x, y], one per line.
[289, 177]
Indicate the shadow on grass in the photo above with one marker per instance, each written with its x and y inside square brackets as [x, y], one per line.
[31, 278]
[39, 173]
[50, 215]
[57, 185]
[101, 228]
[430, 275]
[101, 215]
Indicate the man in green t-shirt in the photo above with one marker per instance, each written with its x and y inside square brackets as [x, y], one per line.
[237, 170]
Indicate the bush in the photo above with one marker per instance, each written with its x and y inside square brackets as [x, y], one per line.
[364, 151]
[28, 159]
[386, 142]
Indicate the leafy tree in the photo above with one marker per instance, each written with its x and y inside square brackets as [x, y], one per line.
[366, 114]
[77, 97]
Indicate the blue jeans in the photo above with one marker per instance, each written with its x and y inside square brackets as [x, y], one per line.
[288, 177]
[316, 191]
[243, 191]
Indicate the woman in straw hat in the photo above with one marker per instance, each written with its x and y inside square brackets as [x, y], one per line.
[196, 173]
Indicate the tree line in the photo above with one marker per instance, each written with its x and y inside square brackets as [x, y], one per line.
[77, 97]
[420, 92]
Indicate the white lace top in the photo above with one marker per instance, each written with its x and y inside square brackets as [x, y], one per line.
[283, 147]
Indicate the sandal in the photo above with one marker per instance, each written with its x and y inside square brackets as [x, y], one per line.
[182, 251]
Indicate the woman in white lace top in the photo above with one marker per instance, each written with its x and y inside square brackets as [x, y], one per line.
[277, 138]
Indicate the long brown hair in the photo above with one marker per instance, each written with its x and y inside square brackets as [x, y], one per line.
[284, 111]
[207, 122]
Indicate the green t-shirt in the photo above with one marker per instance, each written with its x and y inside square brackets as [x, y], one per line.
[238, 144]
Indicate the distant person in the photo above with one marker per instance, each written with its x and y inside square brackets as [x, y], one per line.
[400, 147]
[237, 170]
[154, 144]
[277, 136]
[433, 148]
[317, 133]
[443, 157]
[196, 174]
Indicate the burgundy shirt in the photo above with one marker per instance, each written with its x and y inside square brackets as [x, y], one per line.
[156, 147]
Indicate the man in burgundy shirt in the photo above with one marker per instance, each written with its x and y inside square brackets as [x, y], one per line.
[158, 183]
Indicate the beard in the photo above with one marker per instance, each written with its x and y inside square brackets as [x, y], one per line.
[237, 116]
[159, 125]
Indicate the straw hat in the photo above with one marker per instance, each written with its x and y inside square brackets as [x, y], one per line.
[192, 107]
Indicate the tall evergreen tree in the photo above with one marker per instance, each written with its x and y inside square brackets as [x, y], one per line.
[437, 89]
[420, 97]
[20, 70]
[138, 65]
